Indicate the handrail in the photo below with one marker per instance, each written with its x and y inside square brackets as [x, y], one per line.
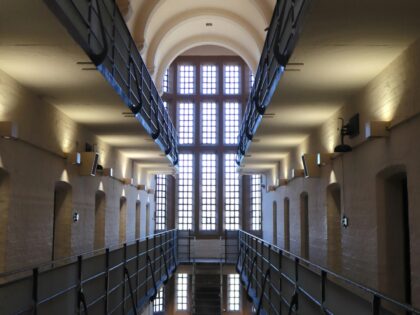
[162, 253]
[149, 263]
[133, 301]
[267, 275]
[280, 42]
[377, 297]
[251, 274]
[120, 63]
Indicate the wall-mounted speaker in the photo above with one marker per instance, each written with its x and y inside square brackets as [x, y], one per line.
[89, 163]
[310, 166]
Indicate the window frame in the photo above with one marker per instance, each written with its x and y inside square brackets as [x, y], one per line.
[239, 83]
[216, 201]
[180, 88]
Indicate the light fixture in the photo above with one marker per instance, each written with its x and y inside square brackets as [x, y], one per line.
[141, 187]
[8, 130]
[345, 221]
[108, 171]
[127, 181]
[350, 129]
[74, 158]
[297, 172]
[310, 166]
[150, 191]
[76, 216]
[89, 163]
[377, 129]
[323, 159]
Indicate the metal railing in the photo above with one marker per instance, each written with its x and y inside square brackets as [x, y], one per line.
[109, 281]
[207, 249]
[99, 28]
[278, 47]
[278, 282]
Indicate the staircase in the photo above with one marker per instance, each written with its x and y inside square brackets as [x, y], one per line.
[207, 295]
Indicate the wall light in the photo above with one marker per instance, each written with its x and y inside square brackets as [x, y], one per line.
[297, 172]
[127, 181]
[89, 163]
[310, 166]
[150, 191]
[141, 187]
[377, 129]
[74, 158]
[323, 159]
[8, 130]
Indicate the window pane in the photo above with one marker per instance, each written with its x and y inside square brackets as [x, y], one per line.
[159, 302]
[166, 81]
[209, 123]
[161, 205]
[232, 79]
[231, 193]
[255, 214]
[231, 120]
[251, 81]
[181, 292]
[186, 80]
[208, 79]
[234, 292]
[208, 192]
[185, 192]
[186, 123]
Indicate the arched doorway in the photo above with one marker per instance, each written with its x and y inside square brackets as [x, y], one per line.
[138, 214]
[63, 220]
[304, 225]
[123, 220]
[147, 219]
[394, 233]
[4, 214]
[100, 206]
[274, 223]
[334, 227]
[286, 223]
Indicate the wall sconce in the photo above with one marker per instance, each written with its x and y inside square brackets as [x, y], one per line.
[89, 163]
[323, 159]
[8, 130]
[345, 221]
[74, 158]
[377, 129]
[310, 166]
[127, 181]
[141, 187]
[76, 217]
[150, 191]
[297, 172]
[350, 129]
[108, 172]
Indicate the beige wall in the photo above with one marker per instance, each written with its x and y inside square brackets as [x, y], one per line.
[393, 96]
[35, 163]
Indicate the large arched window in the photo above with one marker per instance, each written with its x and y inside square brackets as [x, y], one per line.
[207, 95]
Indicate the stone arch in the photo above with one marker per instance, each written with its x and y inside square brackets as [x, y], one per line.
[62, 220]
[123, 220]
[100, 208]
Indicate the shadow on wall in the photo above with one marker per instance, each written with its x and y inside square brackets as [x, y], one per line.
[4, 214]
[123, 220]
[62, 224]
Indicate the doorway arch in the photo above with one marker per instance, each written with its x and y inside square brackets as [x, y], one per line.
[123, 220]
[334, 227]
[100, 206]
[4, 214]
[138, 214]
[62, 224]
[275, 223]
[393, 233]
[304, 225]
[286, 223]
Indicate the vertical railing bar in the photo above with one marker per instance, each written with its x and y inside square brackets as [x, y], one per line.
[106, 280]
[376, 303]
[123, 275]
[137, 268]
[35, 290]
[323, 289]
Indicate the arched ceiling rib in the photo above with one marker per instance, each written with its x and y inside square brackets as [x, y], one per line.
[199, 40]
[180, 24]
